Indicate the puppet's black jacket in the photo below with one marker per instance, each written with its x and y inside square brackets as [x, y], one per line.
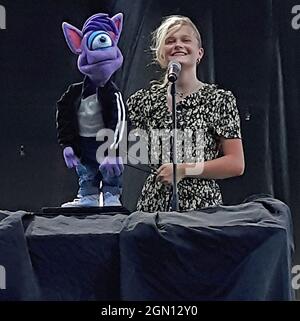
[69, 103]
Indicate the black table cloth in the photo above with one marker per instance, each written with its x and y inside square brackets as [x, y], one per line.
[240, 252]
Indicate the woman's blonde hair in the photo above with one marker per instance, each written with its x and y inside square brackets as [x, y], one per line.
[160, 34]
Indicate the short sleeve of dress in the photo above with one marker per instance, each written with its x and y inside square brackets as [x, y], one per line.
[228, 119]
[136, 109]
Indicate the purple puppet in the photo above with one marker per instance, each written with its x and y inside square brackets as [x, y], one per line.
[93, 105]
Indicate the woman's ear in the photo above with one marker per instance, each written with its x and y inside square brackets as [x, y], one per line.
[201, 53]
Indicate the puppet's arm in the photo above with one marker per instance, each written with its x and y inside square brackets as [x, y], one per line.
[66, 123]
[114, 115]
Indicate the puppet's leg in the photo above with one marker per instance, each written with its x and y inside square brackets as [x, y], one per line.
[112, 190]
[88, 179]
[88, 193]
[88, 176]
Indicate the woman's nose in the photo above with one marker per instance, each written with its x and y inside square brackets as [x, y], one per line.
[178, 45]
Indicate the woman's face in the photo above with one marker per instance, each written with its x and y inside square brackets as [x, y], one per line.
[182, 46]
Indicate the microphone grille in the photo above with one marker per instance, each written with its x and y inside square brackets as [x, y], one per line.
[175, 65]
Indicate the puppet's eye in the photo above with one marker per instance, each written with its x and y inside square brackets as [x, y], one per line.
[99, 40]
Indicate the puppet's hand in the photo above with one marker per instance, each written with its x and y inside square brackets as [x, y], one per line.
[71, 159]
[111, 166]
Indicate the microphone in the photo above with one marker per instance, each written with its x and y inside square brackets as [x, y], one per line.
[174, 69]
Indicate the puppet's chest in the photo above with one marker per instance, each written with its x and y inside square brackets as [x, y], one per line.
[90, 116]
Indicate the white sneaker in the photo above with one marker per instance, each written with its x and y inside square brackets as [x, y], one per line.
[84, 201]
[111, 200]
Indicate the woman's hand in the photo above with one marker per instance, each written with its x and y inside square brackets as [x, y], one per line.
[165, 173]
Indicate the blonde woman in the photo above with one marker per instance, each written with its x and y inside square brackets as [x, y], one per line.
[201, 108]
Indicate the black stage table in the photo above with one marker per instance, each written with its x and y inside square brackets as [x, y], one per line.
[240, 252]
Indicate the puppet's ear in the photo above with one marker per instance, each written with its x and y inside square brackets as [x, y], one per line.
[118, 21]
[73, 37]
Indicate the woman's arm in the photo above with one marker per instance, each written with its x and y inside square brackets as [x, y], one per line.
[229, 165]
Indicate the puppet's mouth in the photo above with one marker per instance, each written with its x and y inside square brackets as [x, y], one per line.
[99, 63]
[89, 67]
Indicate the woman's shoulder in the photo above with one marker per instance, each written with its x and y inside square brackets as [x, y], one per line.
[152, 89]
[220, 100]
[137, 93]
[216, 92]
[156, 88]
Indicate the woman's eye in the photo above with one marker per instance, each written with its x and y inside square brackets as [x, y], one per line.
[99, 40]
[169, 41]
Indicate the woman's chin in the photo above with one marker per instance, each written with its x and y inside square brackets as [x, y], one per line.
[181, 59]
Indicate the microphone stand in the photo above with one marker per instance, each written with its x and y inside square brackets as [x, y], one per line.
[174, 201]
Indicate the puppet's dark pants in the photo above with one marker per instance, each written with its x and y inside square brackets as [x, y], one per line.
[89, 176]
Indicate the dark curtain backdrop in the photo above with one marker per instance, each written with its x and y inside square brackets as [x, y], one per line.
[250, 49]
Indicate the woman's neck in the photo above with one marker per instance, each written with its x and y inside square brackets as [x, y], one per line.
[187, 81]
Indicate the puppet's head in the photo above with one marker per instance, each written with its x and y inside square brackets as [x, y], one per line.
[96, 45]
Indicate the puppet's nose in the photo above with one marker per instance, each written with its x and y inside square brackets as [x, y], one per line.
[92, 58]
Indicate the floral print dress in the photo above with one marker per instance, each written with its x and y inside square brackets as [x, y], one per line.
[210, 111]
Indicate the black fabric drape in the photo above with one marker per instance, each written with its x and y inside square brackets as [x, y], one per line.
[238, 252]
